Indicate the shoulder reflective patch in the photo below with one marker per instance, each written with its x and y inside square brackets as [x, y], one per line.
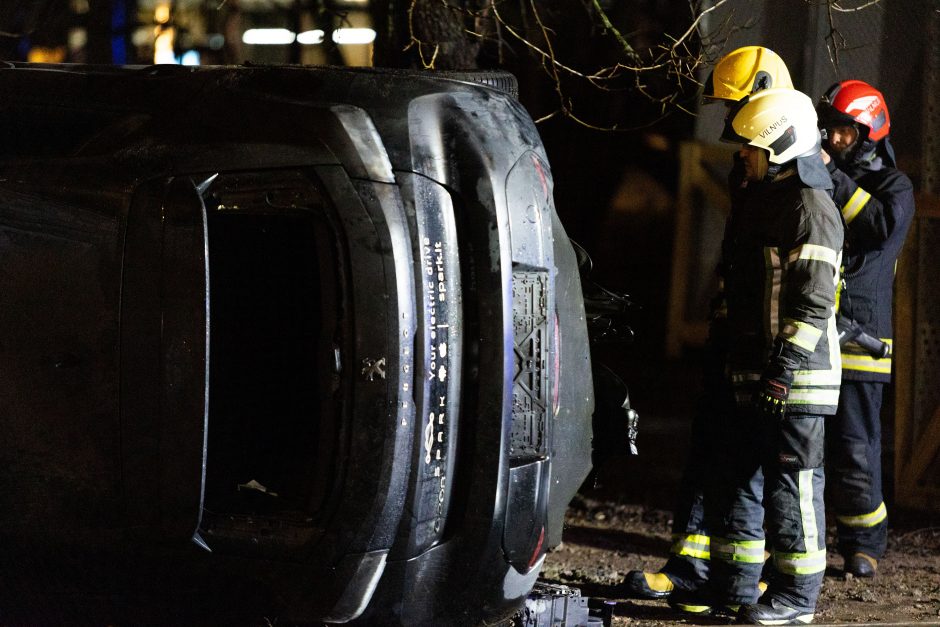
[856, 203]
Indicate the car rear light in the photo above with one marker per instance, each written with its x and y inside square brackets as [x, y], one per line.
[538, 548]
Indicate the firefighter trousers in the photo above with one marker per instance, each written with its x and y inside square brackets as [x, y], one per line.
[853, 464]
[774, 464]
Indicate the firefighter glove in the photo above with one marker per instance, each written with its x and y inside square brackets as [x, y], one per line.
[777, 378]
[774, 391]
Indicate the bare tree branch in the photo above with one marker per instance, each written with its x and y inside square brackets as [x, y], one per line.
[834, 39]
[837, 7]
[627, 48]
[523, 40]
[696, 21]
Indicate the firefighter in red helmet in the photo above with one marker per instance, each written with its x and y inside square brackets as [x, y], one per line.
[877, 204]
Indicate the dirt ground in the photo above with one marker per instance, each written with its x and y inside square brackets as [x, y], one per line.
[604, 540]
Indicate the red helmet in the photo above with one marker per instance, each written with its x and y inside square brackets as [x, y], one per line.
[855, 102]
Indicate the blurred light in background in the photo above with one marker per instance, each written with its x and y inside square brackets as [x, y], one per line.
[163, 47]
[311, 37]
[161, 13]
[354, 35]
[268, 36]
[77, 39]
[164, 37]
[282, 36]
[43, 54]
[190, 57]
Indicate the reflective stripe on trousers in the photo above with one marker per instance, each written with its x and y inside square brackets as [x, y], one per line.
[691, 545]
[865, 520]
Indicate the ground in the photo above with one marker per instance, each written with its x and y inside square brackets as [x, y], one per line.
[604, 540]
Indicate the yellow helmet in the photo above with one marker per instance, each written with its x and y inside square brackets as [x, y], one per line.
[746, 71]
[781, 121]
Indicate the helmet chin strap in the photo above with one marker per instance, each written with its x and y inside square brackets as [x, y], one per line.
[867, 152]
[773, 170]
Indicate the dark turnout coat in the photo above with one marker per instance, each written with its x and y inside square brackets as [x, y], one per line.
[878, 206]
[780, 265]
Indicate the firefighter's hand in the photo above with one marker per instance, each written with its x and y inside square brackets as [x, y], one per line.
[772, 399]
[774, 392]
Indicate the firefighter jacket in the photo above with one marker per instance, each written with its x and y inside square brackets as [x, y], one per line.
[877, 203]
[780, 266]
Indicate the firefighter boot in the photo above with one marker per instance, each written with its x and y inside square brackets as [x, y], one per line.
[773, 612]
[642, 585]
[861, 565]
[696, 603]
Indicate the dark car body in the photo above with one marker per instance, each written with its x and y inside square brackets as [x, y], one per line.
[326, 321]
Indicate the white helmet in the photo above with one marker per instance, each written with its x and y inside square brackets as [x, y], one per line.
[781, 121]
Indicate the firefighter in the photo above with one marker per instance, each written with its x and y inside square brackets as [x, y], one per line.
[877, 203]
[780, 260]
[740, 73]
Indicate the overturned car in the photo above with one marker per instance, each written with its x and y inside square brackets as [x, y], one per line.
[320, 325]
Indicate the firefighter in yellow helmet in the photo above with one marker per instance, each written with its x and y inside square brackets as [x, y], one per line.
[780, 263]
[740, 73]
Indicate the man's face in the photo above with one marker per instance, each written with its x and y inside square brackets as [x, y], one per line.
[841, 138]
[755, 162]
